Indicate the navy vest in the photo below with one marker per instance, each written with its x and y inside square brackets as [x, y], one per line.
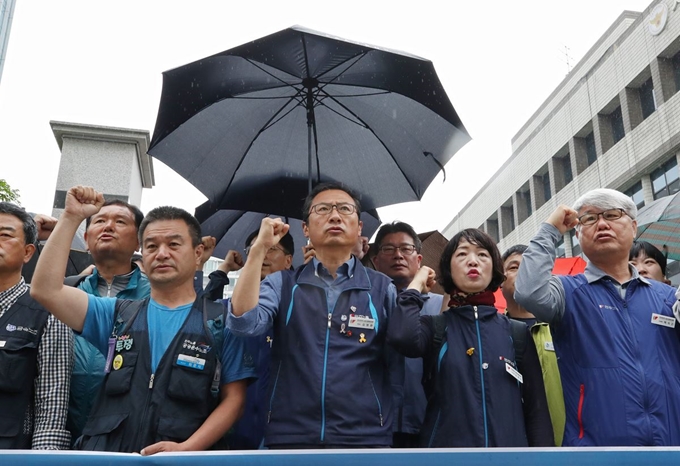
[475, 402]
[329, 386]
[21, 329]
[136, 408]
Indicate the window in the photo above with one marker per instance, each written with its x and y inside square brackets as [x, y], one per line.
[616, 121]
[523, 203]
[559, 248]
[507, 218]
[676, 70]
[566, 169]
[635, 193]
[546, 187]
[575, 245]
[665, 179]
[492, 229]
[591, 153]
[647, 98]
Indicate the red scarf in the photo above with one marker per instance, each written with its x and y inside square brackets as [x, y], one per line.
[482, 298]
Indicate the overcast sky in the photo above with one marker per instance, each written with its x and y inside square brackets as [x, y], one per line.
[100, 63]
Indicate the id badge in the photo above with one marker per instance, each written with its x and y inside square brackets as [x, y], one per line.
[191, 361]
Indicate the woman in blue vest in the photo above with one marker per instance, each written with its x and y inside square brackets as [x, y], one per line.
[473, 381]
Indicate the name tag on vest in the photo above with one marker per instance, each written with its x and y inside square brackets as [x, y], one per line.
[357, 321]
[514, 372]
[665, 321]
[549, 346]
[190, 361]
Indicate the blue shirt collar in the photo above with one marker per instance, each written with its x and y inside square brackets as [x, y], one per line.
[346, 270]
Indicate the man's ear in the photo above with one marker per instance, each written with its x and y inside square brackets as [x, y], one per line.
[305, 229]
[198, 252]
[29, 250]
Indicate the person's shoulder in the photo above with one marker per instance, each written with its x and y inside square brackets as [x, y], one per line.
[667, 291]
[27, 300]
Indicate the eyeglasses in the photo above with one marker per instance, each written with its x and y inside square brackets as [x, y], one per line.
[405, 249]
[343, 208]
[608, 215]
[269, 251]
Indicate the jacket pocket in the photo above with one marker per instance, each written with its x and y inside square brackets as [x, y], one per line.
[10, 426]
[118, 380]
[189, 384]
[16, 358]
[103, 433]
[176, 429]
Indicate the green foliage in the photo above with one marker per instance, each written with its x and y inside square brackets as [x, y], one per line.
[7, 194]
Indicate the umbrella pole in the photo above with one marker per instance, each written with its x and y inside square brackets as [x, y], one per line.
[309, 83]
[309, 157]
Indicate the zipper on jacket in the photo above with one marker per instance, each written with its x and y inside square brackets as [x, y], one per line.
[271, 399]
[143, 419]
[641, 370]
[579, 414]
[323, 378]
[481, 378]
[370, 379]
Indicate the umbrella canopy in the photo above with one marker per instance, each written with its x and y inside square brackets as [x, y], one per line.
[302, 107]
[232, 227]
[659, 224]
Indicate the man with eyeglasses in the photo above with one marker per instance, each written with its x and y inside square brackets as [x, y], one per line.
[329, 386]
[399, 258]
[614, 332]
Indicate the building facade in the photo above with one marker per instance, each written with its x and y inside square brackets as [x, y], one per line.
[613, 122]
[6, 14]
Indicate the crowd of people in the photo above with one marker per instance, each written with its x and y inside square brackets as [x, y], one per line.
[349, 350]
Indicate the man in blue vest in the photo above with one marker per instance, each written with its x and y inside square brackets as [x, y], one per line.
[614, 333]
[329, 385]
[399, 258]
[176, 378]
[35, 348]
[112, 238]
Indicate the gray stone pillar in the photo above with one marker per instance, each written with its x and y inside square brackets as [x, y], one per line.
[113, 160]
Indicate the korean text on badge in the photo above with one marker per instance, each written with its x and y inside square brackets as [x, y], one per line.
[357, 321]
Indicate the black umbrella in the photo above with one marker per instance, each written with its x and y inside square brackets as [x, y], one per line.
[232, 227]
[303, 107]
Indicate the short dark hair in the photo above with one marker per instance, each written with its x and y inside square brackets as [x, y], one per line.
[481, 239]
[286, 242]
[321, 187]
[172, 213]
[650, 251]
[136, 213]
[398, 227]
[30, 228]
[516, 249]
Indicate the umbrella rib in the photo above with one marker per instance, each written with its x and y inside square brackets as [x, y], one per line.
[356, 59]
[376, 136]
[256, 65]
[266, 126]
